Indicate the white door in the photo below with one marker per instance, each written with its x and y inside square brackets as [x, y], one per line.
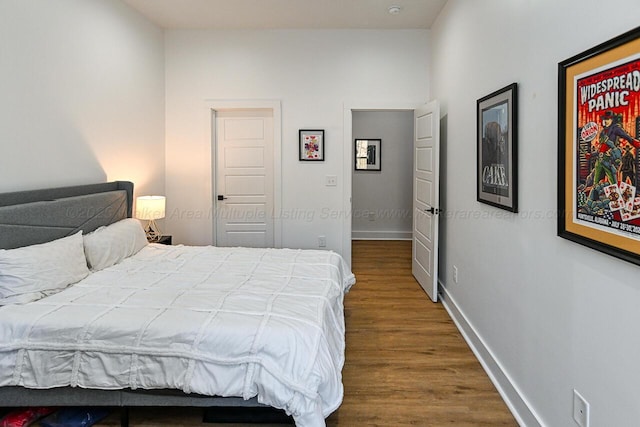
[243, 189]
[426, 161]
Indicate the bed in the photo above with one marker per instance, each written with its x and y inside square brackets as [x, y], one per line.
[154, 325]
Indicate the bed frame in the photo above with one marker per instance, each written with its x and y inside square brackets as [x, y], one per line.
[38, 216]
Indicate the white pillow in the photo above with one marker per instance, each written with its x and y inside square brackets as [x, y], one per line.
[33, 272]
[109, 245]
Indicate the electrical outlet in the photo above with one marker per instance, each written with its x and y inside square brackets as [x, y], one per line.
[455, 274]
[322, 241]
[580, 409]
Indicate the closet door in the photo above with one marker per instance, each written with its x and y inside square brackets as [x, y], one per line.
[244, 185]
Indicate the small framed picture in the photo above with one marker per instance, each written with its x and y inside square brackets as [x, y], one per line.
[311, 145]
[599, 147]
[497, 130]
[367, 154]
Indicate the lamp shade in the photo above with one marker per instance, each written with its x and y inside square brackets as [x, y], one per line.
[150, 207]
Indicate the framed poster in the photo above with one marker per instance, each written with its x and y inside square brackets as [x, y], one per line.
[497, 143]
[311, 144]
[598, 147]
[368, 154]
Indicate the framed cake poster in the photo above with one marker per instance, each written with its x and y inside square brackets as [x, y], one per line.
[497, 148]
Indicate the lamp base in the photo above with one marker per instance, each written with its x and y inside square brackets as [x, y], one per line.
[152, 231]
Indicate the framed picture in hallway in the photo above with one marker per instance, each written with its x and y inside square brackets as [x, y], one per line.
[497, 143]
[311, 144]
[599, 147]
[368, 154]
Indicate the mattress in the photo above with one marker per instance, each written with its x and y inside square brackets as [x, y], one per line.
[242, 322]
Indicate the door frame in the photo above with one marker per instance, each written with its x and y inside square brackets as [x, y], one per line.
[349, 108]
[229, 105]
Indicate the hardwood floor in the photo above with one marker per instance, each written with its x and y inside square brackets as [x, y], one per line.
[406, 363]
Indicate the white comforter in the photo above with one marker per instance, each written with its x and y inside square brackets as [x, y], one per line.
[215, 321]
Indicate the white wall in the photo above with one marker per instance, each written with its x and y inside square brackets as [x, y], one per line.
[554, 314]
[82, 95]
[386, 194]
[312, 73]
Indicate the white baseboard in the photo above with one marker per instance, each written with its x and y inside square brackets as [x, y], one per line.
[381, 235]
[516, 402]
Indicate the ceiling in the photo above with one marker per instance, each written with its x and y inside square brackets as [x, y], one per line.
[289, 14]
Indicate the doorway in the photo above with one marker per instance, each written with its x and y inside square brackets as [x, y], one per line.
[382, 198]
[425, 184]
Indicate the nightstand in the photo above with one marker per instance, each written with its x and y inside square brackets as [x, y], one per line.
[164, 240]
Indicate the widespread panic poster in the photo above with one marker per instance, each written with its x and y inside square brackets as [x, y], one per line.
[607, 149]
[599, 147]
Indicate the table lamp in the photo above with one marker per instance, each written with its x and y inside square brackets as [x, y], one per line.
[151, 208]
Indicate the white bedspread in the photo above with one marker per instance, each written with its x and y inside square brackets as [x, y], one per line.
[215, 321]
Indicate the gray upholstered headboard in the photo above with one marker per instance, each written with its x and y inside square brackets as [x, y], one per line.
[38, 216]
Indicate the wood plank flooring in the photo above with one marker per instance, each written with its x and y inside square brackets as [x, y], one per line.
[406, 363]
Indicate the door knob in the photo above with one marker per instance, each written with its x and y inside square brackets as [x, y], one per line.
[221, 197]
[433, 211]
